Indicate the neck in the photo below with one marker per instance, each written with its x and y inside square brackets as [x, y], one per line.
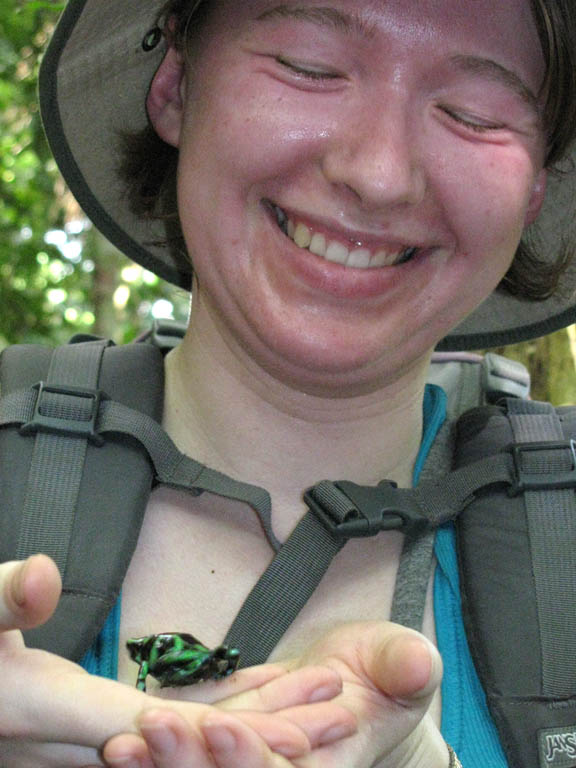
[240, 420]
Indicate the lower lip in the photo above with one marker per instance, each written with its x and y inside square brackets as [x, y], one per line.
[338, 280]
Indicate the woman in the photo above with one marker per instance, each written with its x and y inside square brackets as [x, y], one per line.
[353, 181]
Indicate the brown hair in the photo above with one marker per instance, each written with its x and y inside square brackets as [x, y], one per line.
[529, 276]
[148, 164]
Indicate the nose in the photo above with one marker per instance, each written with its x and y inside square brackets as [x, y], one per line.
[375, 158]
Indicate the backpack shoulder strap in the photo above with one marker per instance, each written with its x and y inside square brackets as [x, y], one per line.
[513, 492]
[66, 492]
[517, 554]
[80, 447]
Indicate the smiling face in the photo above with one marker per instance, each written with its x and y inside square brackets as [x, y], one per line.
[354, 176]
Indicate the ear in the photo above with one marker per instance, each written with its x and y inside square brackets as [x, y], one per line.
[165, 103]
[536, 197]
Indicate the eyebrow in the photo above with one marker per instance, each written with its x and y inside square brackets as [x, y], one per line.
[352, 24]
[491, 70]
[323, 16]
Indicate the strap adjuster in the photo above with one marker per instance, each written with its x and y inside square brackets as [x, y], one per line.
[538, 477]
[349, 510]
[75, 418]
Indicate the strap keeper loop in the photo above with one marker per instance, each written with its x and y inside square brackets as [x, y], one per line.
[47, 419]
[545, 479]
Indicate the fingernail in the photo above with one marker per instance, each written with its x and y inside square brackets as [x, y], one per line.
[338, 732]
[18, 592]
[159, 738]
[124, 762]
[323, 693]
[219, 738]
[288, 751]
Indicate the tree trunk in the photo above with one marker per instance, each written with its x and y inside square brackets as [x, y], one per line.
[107, 264]
[551, 361]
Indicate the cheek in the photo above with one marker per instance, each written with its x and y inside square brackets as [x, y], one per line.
[488, 213]
[244, 133]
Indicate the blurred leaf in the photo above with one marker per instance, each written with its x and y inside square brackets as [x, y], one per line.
[57, 275]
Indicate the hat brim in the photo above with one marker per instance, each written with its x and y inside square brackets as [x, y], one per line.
[93, 82]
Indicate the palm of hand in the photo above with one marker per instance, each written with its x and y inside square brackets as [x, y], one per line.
[389, 675]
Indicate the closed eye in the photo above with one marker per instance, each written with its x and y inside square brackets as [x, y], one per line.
[307, 72]
[478, 125]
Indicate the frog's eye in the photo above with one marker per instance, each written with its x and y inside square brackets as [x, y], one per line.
[135, 648]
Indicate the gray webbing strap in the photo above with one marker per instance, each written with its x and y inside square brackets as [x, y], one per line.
[283, 590]
[177, 470]
[261, 622]
[551, 516]
[57, 460]
[437, 499]
[296, 571]
[294, 574]
[301, 563]
[172, 467]
[415, 567]
[298, 568]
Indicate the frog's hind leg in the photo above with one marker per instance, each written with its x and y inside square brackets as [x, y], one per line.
[142, 675]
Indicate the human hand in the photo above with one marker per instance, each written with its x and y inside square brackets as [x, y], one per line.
[222, 739]
[389, 674]
[54, 715]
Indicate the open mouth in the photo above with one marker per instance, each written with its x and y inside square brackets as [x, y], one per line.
[358, 257]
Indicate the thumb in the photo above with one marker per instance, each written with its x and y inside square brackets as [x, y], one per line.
[29, 592]
[403, 664]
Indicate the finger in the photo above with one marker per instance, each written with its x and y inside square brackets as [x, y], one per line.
[29, 592]
[211, 692]
[306, 685]
[127, 750]
[406, 666]
[387, 657]
[171, 743]
[321, 723]
[275, 731]
[232, 746]
[294, 732]
[47, 755]
[166, 741]
[59, 702]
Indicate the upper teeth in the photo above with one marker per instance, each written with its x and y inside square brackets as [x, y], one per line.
[336, 251]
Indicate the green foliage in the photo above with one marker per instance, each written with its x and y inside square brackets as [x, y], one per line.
[57, 275]
[27, 209]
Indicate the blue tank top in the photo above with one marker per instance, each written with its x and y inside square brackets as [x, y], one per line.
[466, 722]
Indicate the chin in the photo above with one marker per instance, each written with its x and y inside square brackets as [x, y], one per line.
[338, 372]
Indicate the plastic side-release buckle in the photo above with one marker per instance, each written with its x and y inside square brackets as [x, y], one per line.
[73, 412]
[504, 378]
[535, 472]
[352, 511]
[167, 334]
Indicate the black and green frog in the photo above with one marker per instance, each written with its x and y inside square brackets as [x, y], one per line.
[177, 658]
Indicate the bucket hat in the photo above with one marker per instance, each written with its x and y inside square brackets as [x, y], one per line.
[93, 84]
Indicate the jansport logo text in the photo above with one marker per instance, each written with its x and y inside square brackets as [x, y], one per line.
[560, 744]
